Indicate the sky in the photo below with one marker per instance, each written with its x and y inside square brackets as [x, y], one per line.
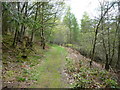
[78, 7]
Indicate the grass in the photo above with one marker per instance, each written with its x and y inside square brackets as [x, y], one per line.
[48, 74]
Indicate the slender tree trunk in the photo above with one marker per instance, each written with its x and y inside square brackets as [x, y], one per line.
[109, 46]
[107, 64]
[118, 61]
[21, 32]
[17, 27]
[25, 16]
[14, 41]
[106, 54]
[42, 28]
[22, 25]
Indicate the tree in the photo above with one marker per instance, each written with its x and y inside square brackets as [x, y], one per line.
[67, 21]
[75, 29]
[85, 23]
[26, 19]
[118, 61]
[96, 33]
[48, 14]
[59, 33]
[71, 22]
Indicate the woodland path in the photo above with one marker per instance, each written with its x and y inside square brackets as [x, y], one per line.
[50, 73]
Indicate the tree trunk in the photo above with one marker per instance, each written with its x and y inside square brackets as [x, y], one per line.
[42, 28]
[14, 41]
[118, 61]
[107, 64]
[17, 27]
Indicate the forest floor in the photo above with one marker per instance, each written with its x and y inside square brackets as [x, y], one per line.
[54, 67]
[81, 75]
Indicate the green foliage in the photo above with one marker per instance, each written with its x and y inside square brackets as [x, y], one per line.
[69, 65]
[34, 60]
[33, 75]
[82, 83]
[111, 83]
[26, 71]
[86, 23]
[21, 79]
[103, 72]
[9, 73]
[75, 28]
[58, 33]
[71, 22]
[85, 43]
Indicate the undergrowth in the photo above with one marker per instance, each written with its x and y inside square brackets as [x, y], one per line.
[15, 68]
[86, 77]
